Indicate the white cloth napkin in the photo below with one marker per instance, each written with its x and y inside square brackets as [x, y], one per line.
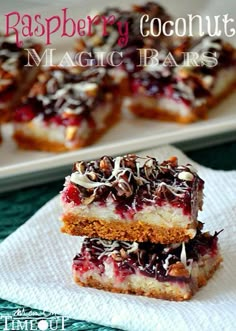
[35, 269]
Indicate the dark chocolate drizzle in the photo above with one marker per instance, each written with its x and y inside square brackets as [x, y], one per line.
[61, 90]
[133, 185]
[186, 84]
[135, 39]
[12, 63]
[152, 260]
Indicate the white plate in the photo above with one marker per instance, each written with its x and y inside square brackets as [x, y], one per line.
[129, 134]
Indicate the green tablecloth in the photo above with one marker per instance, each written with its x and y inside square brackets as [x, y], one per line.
[18, 206]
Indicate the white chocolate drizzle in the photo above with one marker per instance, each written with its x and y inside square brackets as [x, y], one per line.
[110, 247]
[127, 174]
[166, 262]
[183, 255]
[185, 175]
[84, 181]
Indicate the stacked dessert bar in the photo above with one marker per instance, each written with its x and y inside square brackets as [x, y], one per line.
[140, 219]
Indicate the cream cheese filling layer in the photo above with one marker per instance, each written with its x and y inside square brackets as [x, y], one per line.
[165, 216]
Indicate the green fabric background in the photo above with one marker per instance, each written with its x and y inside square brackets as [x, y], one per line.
[18, 206]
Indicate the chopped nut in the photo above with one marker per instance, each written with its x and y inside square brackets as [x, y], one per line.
[92, 175]
[178, 270]
[80, 166]
[75, 70]
[123, 253]
[87, 201]
[173, 160]
[4, 83]
[5, 74]
[106, 165]
[228, 47]
[207, 81]
[91, 90]
[123, 186]
[43, 77]
[71, 132]
[80, 45]
[162, 192]
[184, 72]
[38, 88]
[148, 167]
[129, 161]
[137, 8]
[117, 257]
[96, 40]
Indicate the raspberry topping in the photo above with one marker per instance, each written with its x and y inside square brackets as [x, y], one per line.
[133, 183]
[67, 98]
[163, 262]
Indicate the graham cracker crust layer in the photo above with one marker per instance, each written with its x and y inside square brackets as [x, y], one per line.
[173, 295]
[32, 143]
[92, 282]
[127, 230]
[201, 112]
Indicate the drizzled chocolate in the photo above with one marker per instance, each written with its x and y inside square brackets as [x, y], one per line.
[156, 77]
[12, 63]
[165, 83]
[163, 262]
[109, 42]
[132, 183]
[65, 97]
[223, 52]
[188, 84]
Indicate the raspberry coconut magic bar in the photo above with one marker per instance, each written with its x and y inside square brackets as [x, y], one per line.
[186, 93]
[122, 38]
[66, 110]
[131, 198]
[119, 30]
[173, 272]
[15, 77]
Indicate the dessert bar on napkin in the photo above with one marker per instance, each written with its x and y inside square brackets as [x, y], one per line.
[141, 219]
[36, 269]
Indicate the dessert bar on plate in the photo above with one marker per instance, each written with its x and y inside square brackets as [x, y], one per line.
[133, 199]
[185, 93]
[173, 272]
[15, 77]
[65, 110]
[115, 36]
[127, 41]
